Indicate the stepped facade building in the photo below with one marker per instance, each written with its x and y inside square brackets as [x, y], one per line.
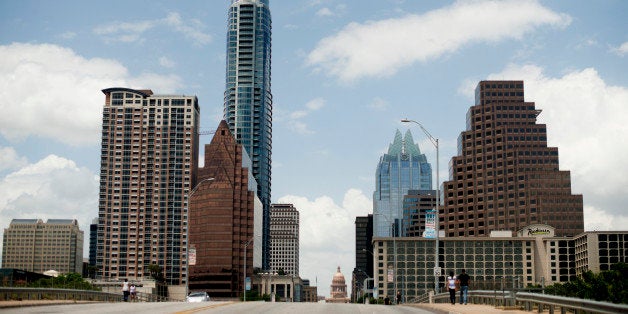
[505, 176]
[225, 219]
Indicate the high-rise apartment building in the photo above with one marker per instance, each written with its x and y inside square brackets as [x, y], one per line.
[248, 102]
[37, 246]
[149, 155]
[284, 239]
[225, 219]
[505, 176]
[403, 168]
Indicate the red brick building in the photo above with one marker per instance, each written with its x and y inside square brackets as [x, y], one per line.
[222, 214]
[504, 176]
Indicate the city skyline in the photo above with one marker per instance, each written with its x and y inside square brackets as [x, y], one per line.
[344, 74]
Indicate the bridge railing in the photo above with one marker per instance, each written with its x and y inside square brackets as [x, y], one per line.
[19, 293]
[536, 302]
[15, 293]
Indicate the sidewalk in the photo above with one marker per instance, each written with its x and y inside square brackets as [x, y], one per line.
[447, 308]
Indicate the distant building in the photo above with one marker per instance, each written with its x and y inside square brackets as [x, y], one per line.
[248, 101]
[505, 176]
[225, 219]
[402, 168]
[534, 256]
[93, 241]
[149, 154]
[338, 289]
[363, 254]
[36, 246]
[281, 288]
[310, 293]
[284, 239]
[415, 204]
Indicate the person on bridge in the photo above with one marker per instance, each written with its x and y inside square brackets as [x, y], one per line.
[464, 280]
[452, 281]
[398, 297]
[125, 290]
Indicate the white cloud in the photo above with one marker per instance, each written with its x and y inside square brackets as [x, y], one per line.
[324, 12]
[53, 187]
[381, 48]
[326, 228]
[68, 35]
[379, 104]
[586, 120]
[166, 62]
[10, 160]
[133, 31]
[622, 49]
[49, 91]
[296, 124]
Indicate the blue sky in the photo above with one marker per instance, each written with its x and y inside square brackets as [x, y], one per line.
[343, 74]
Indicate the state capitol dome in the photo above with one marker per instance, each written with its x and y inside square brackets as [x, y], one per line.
[338, 289]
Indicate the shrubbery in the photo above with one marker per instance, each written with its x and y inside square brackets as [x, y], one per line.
[607, 286]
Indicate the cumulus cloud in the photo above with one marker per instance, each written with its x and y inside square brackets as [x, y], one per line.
[48, 91]
[133, 31]
[586, 120]
[326, 228]
[622, 49]
[54, 187]
[381, 48]
[10, 160]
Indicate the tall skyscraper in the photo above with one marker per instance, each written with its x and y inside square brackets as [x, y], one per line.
[363, 255]
[37, 246]
[148, 162]
[505, 177]
[284, 238]
[403, 168]
[248, 102]
[224, 216]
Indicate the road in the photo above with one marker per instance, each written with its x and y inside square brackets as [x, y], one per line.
[214, 307]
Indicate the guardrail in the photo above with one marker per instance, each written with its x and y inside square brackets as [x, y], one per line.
[537, 301]
[12, 293]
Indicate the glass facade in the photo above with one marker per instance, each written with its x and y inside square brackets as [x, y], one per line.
[248, 99]
[403, 168]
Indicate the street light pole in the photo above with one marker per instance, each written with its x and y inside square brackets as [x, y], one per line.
[437, 222]
[187, 235]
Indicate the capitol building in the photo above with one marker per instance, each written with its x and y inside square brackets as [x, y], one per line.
[338, 289]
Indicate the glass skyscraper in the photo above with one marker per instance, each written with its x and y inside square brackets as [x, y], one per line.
[248, 99]
[403, 168]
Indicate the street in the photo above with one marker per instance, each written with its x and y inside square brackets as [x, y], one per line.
[214, 307]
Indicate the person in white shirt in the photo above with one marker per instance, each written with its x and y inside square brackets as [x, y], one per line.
[452, 282]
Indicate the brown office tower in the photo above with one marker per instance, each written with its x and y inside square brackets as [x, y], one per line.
[505, 177]
[224, 209]
[149, 153]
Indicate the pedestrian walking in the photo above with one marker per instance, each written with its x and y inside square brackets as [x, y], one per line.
[125, 290]
[464, 280]
[452, 281]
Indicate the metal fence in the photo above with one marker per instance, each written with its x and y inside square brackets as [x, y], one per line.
[14, 293]
[537, 302]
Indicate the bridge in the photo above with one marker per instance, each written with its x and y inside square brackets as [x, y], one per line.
[29, 300]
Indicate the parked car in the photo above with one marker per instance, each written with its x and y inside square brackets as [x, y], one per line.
[198, 297]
